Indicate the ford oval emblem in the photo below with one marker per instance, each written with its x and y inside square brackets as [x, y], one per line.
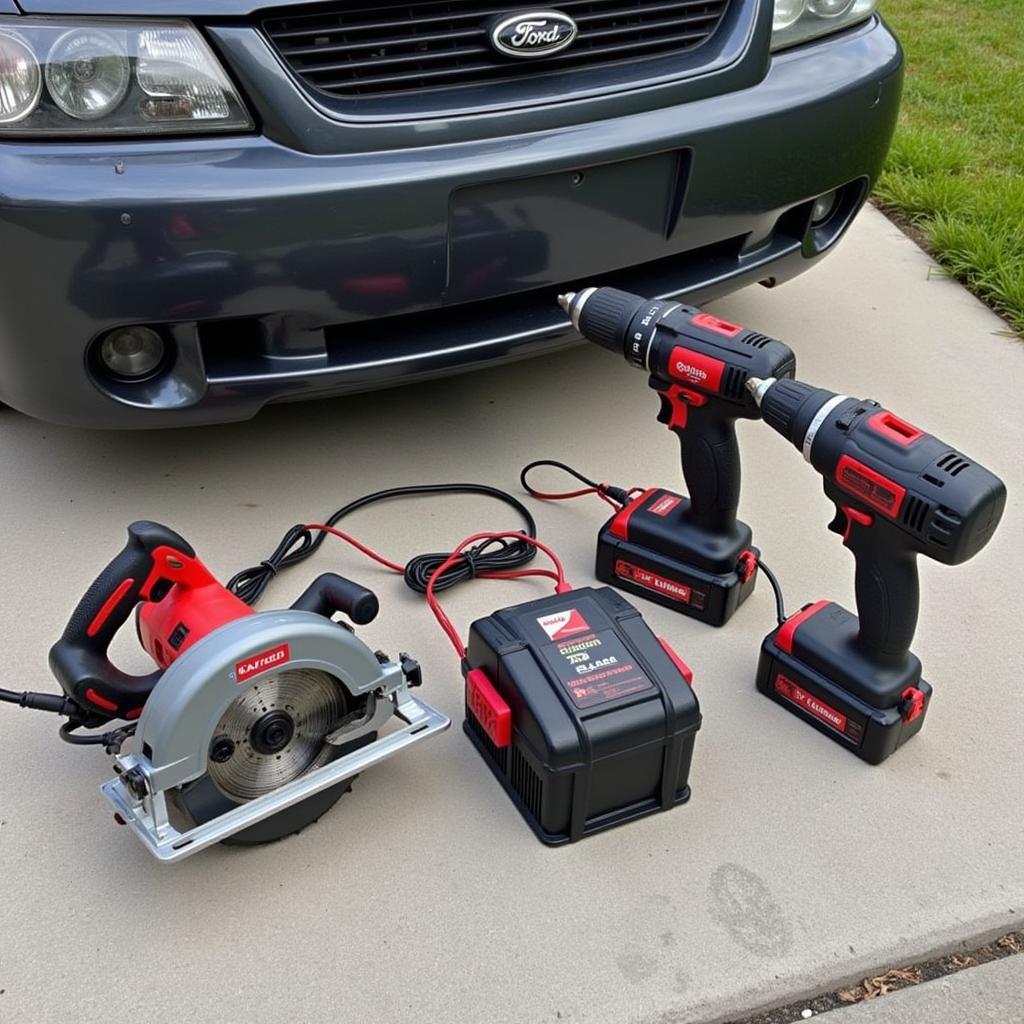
[534, 34]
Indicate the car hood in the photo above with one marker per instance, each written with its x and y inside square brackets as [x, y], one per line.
[154, 8]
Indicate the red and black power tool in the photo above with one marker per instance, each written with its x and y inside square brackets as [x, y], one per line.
[253, 724]
[688, 553]
[898, 493]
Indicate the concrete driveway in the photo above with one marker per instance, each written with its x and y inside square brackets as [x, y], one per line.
[422, 896]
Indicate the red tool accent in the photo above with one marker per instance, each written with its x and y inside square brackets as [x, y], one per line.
[663, 506]
[747, 566]
[797, 695]
[712, 323]
[194, 607]
[784, 637]
[680, 399]
[101, 702]
[854, 515]
[108, 606]
[620, 524]
[652, 581]
[913, 701]
[169, 564]
[891, 426]
[488, 707]
[869, 485]
[684, 670]
[263, 661]
[693, 368]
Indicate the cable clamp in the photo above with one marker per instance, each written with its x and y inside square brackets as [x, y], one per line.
[469, 557]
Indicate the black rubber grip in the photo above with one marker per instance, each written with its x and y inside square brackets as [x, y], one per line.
[607, 315]
[888, 594]
[711, 466]
[127, 573]
[79, 659]
[331, 593]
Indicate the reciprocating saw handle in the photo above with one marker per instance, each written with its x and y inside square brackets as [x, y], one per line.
[886, 586]
[79, 659]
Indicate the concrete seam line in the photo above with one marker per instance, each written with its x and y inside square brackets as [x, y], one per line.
[973, 953]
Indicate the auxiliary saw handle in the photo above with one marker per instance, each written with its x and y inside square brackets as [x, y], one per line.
[153, 560]
[331, 593]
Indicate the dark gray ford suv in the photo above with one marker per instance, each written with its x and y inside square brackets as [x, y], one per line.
[208, 206]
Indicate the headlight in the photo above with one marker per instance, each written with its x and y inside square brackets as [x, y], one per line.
[796, 21]
[20, 79]
[106, 77]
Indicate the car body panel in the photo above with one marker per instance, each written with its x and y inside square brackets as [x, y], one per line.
[319, 257]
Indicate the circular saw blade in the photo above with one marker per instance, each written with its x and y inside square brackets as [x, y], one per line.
[275, 732]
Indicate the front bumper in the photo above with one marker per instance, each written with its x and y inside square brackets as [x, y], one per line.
[283, 274]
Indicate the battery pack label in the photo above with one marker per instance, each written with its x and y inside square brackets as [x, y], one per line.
[664, 505]
[596, 668]
[652, 581]
[836, 720]
[559, 625]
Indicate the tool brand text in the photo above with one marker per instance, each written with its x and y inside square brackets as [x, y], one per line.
[257, 664]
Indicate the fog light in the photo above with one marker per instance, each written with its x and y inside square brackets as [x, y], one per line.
[824, 207]
[133, 353]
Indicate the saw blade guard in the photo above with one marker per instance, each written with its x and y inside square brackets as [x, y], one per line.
[221, 677]
[181, 715]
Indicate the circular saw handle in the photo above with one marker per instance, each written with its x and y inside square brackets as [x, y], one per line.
[331, 593]
[152, 560]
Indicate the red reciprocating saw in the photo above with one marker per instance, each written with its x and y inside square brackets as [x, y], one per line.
[899, 493]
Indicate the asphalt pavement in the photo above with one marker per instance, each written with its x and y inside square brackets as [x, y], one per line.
[423, 896]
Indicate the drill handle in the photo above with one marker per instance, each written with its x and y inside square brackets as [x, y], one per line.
[887, 588]
[710, 455]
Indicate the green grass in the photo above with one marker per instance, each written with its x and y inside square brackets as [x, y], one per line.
[956, 170]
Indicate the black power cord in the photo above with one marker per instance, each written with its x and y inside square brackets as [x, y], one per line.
[780, 607]
[618, 494]
[111, 741]
[300, 543]
[54, 703]
[621, 497]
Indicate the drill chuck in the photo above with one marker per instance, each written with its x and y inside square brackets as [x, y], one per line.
[794, 409]
[603, 315]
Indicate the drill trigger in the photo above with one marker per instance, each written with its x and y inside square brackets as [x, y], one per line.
[675, 405]
[854, 515]
[845, 519]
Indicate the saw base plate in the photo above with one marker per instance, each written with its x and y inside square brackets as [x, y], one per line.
[149, 819]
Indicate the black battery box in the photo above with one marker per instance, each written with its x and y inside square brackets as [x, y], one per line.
[813, 666]
[651, 549]
[586, 718]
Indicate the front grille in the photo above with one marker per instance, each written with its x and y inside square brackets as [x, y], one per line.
[357, 50]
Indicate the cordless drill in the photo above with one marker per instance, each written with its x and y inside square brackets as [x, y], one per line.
[898, 493]
[691, 553]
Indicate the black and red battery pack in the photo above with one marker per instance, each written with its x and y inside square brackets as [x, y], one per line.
[650, 549]
[584, 716]
[813, 666]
